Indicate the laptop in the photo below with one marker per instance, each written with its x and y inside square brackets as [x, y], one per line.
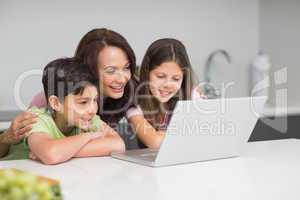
[202, 130]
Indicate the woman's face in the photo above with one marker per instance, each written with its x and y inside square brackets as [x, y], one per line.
[114, 71]
[165, 81]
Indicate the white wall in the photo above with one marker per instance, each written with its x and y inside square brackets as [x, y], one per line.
[280, 38]
[34, 32]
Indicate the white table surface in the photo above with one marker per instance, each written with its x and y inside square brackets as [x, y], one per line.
[4, 125]
[268, 170]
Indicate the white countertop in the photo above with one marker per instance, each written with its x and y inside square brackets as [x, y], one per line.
[4, 126]
[268, 170]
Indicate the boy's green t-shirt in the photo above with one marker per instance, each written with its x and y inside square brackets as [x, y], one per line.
[45, 124]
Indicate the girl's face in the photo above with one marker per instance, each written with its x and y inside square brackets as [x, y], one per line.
[114, 71]
[165, 81]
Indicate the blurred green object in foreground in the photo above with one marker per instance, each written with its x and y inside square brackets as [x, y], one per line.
[19, 185]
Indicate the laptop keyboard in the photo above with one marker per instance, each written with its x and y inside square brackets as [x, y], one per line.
[148, 155]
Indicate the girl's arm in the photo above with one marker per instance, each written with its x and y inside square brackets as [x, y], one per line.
[111, 142]
[53, 151]
[146, 132]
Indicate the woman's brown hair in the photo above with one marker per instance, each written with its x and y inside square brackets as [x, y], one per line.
[88, 49]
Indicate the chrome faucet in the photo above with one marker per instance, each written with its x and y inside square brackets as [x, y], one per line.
[210, 90]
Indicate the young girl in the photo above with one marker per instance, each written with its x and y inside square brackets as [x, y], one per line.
[166, 76]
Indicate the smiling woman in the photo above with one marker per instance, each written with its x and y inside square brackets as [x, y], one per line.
[112, 61]
[114, 71]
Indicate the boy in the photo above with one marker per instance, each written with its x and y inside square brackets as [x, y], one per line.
[69, 127]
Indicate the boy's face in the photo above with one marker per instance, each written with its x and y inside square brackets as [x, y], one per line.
[79, 110]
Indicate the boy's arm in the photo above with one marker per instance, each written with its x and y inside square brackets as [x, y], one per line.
[111, 142]
[53, 151]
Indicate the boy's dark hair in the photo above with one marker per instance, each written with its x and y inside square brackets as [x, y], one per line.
[66, 76]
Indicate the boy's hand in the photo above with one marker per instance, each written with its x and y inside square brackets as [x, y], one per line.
[101, 132]
[32, 156]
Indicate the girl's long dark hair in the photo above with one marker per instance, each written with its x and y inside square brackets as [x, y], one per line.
[160, 51]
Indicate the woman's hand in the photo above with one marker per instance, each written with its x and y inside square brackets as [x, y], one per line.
[19, 128]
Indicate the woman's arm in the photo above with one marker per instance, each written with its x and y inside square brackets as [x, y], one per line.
[146, 132]
[3, 149]
[53, 151]
[111, 142]
[18, 129]
[21, 125]
[4, 146]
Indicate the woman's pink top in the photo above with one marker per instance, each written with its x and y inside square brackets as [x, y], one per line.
[39, 100]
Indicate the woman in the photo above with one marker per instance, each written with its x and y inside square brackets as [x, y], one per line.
[113, 62]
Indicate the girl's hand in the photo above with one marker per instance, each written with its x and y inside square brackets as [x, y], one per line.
[200, 93]
[20, 127]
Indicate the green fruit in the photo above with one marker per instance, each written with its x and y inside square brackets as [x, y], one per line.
[16, 185]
